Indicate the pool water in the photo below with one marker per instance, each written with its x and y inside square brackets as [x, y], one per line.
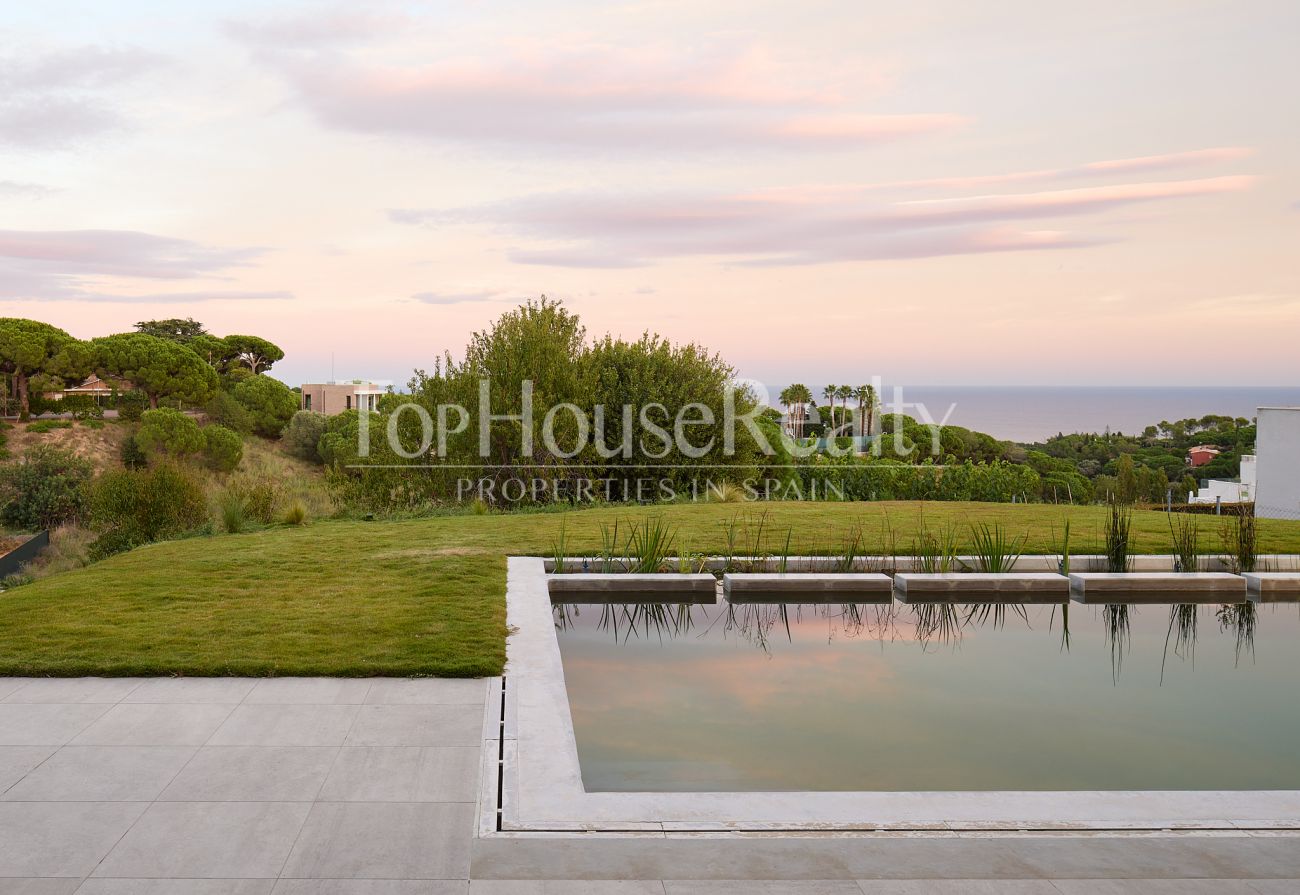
[778, 697]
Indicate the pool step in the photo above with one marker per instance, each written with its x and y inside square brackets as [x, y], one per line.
[805, 587]
[628, 587]
[1157, 587]
[980, 587]
[1273, 587]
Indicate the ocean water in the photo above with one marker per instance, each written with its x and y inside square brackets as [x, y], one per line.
[1034, 413]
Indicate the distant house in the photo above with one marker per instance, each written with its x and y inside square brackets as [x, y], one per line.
[1201, 454]
[1241, 490]
[99, 389]
[335, 397]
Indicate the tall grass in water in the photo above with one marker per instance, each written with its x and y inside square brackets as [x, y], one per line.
[1240, 540]
[994, 549]
[935, 550]
[610, 546]
[559, 550]
[1118, 524]
[1184, 537]
[1063, 548]
[850, 549]
[1118, 635]
[1182, 630]
[650, 544]
[783, 562]
[1241, 620]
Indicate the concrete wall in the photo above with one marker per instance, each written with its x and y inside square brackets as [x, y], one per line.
[1277, 467]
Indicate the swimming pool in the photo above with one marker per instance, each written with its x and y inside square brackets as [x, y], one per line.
[890, 698]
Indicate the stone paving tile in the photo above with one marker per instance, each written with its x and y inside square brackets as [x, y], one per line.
[404, 774]
[427, 691]
[252, 774]
[102, 774]
[309, 691]
[17, 761]
[1152, 887]
[1275, 886]
[286, 725]
[759, 887]
[192, 689]
[391, 840]
[370, 887]
[568, 887]
[957, 887]
[60, 838]
[176, 887]
[51, 690]
[45, 725]
[207, 840]
[151, 724]
[10, 684]
[418, 725]
[38, 886]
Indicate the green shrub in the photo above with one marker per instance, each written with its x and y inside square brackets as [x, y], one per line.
[302, 436]
[132, 456]
[260, 497]
[82, 407]
[93, 423]
[269, 402]
[224, 448]
[224, 410]
[130, 406]
[134, 507]
[233, 510]
[296, 514]
[169, 432]
[42, 426]
[44, 488]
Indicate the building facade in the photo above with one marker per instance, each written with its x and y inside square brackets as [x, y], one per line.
[1277, 475]
[335, 397]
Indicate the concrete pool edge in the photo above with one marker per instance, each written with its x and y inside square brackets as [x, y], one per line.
[542, 787]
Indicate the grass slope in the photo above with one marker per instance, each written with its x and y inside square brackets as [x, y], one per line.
[426, 596]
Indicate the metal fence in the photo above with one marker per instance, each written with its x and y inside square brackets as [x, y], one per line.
[15, 559]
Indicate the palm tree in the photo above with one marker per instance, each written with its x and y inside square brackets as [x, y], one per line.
[829, 393]
[844, 392]
[802, 396]
[788, 401]
[866, 395]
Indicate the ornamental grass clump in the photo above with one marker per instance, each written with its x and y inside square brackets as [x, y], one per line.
[994, 550]
[1118, 525]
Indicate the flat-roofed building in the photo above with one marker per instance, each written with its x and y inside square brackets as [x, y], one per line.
[335, 397]
[1277, 464]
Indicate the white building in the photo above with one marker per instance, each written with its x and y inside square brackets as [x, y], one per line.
[1240, 490]
[1277, 445]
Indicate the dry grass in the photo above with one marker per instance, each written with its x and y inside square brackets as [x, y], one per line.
[101, 446]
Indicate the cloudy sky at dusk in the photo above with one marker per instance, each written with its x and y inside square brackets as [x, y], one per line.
[1012, 192]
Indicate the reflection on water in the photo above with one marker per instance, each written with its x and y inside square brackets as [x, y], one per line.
[763, 696]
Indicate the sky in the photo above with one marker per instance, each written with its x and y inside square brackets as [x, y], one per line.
[931, 193]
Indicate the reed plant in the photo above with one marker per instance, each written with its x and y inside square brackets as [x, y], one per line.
[1184, 537]
[1118, 525]
[650, 544]
[1063, 547]
[610, 546]
[935, 549]
[995, 550]
[1240, 540]
[559, 549]
[850, 549]
[783, 560]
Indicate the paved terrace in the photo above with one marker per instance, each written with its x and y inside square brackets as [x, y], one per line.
[300, 785]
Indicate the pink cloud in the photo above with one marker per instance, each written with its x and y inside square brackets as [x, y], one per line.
[75, 264]
[596, 96]
[585, 230]
[56, 98]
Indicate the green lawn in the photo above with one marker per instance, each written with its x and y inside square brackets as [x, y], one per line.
[425, 596]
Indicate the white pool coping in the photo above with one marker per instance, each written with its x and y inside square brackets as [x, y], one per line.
[540, 781]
